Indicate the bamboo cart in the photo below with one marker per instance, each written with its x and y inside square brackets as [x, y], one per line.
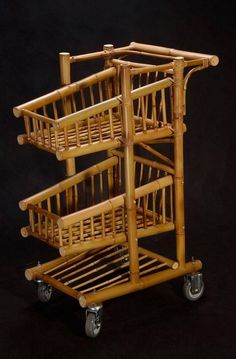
[96, 217]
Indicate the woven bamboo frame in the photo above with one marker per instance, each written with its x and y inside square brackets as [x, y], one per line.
[128, 103]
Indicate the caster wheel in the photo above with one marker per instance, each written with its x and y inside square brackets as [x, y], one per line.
[193, 288]
[44, 292]
[93, 322]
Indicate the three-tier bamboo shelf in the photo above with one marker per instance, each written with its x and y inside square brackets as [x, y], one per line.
[131, 109]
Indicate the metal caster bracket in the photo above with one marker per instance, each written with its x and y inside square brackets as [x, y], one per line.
[93, 322]
[193, 286]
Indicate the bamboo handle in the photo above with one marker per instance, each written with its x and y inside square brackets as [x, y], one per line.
[213, 59]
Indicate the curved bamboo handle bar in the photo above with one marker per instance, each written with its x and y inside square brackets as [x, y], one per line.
[213, 59]
[67, 183]
[112, 203]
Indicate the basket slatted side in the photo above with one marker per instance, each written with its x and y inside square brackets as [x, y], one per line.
[88, 210]
[85, 117]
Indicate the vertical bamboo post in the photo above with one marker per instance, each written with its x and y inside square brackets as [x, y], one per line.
[128, 130]
[65, 77]
[109, 49]
[64, 60]
[179, 159]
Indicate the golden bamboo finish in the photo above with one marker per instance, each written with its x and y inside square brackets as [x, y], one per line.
[145, 282]
[213, 60]
[179, 160]
[127, 114]
[64, 61]
[96, 217]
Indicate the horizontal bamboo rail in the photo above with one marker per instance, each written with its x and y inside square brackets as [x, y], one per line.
[31, 273]
[87, 112]
[172, 264]
[112, 203]
[91, 148]
[92, 211]
[98, 55]
[67, 183]
[144, 282]
[109, 104]
[135, 48]
[157, 154]
[155, 229]
[213, 59]
[64, 91]
[167, 68]
[150, 88]
[96, 243]
[150, 135]
[129, 63]
[147, 162]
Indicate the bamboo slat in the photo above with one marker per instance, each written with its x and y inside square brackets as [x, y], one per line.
[64, 91]
[65, 184]
[144, 282]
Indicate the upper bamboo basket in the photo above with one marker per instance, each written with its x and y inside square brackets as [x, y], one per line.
[85, 116]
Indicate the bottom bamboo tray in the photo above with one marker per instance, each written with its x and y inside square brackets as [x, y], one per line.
[104, 274]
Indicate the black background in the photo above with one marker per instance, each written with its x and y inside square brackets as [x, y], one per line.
[157, 322]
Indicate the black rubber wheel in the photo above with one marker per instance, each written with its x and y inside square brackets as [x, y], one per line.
[93, 325]
[187, 290]
[44, 292]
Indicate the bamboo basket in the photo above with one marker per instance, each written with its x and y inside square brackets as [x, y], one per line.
[85, 117]
[87, 210]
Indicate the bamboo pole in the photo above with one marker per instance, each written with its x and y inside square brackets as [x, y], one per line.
[109, 49]
[97, 55]
[144, 282]
[153, 87]
[64, 91]
[179, 160]
[92, 211]
[213, 59]
[172, 264]
[87, 112]
[147, 162]
[157, 154]
[31, 273]
[92, 244]
[150, 135]
[67, 183]
[155, 229]
[86, 149]
[130, 203]
[64, 60]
